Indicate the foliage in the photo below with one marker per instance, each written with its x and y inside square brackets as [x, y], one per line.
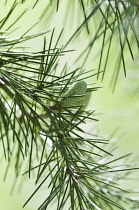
[45, 129]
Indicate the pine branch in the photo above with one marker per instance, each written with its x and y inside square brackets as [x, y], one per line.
[44, 120]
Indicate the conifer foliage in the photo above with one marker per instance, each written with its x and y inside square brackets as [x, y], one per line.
[46, 129]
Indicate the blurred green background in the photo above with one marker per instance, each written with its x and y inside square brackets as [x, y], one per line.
[118, 111]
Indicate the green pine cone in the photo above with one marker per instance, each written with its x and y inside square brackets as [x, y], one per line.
[75, 95]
